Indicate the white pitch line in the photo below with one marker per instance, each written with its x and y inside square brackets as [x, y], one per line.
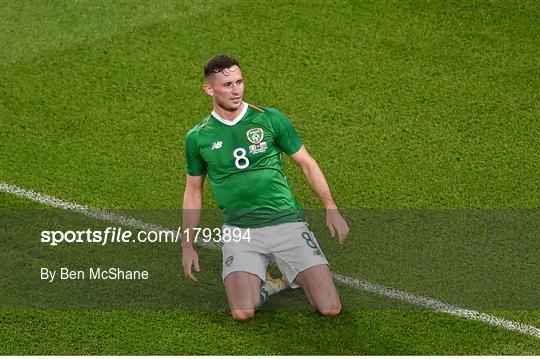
[87, 211]
[437, 305]
[385, 291]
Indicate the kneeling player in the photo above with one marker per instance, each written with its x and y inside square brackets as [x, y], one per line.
[238, 147]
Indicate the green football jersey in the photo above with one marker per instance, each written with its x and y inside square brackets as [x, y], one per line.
[242, 159]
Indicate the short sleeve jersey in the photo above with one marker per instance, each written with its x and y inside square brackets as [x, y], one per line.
[244, 168]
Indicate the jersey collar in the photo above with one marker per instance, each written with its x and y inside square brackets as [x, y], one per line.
[236, 120]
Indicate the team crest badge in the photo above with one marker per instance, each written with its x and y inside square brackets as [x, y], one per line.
[228, 261]
[255, 135]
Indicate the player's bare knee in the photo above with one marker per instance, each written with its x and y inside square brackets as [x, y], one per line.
[331, 309]
[330, 312]
[242, 315]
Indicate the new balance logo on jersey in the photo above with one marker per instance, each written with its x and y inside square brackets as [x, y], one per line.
[217, 145]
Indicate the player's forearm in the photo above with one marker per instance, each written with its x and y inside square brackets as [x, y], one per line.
[191, 215]
[191, 219]
[318, 183]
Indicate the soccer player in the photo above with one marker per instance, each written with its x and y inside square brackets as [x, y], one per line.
[238, 147]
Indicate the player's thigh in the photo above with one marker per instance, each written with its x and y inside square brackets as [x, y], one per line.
[242, 290]
[245, 255]
[318, 284]
[244, 267]
[296, 250]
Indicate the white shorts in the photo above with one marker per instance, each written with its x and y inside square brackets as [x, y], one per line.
[292, 245]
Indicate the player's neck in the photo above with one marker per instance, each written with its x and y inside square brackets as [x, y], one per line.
[230, 116]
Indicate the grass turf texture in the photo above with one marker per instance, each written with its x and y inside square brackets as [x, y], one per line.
[404, 105]
[175, 332]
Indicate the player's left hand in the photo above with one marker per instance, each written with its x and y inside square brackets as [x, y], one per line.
[337, 224]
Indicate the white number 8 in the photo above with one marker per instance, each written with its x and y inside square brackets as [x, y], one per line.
[240, 155]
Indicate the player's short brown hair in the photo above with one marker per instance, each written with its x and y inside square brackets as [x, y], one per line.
[219, 63]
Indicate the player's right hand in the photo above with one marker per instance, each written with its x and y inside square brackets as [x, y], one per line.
[190, 259]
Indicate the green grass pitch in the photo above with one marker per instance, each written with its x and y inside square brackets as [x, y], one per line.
[424, 116]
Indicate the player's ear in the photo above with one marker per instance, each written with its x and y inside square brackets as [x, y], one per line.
[208, 89]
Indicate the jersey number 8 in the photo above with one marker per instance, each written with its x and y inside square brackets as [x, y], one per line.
[241, 161]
